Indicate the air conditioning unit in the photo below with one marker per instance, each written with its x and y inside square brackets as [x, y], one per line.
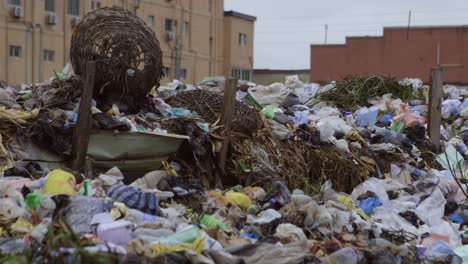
[17, 11]
[51, 19]
[75, 21]
[170, 35]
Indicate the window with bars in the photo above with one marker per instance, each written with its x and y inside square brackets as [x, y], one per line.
[49, 55]
[242, 39]
[73, 7]
[150, 21]
[183, 73]
[15, 51]
[166, 71]
[168, 25]
[14, 2]
[241, 74]
[185, 28]
[49, 5]
[95, 5]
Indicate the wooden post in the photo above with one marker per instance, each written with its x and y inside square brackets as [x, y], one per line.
[83, 127]
[435, 102]
[226, 117]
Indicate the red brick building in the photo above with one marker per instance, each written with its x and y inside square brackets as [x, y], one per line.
[398, 52]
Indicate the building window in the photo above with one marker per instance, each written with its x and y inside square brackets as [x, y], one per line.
[168, 25]
[14, 2]
[185, 28]
[49, 5]
[241, 74]
[183, 73]
[166, 71]
[242, 39]
[49, 55]
[95, 5]
[150, 21]
[73, 7]
[15, 51]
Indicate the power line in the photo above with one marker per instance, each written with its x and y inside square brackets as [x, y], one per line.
[415, 22]
[402, 20]
[362, 15]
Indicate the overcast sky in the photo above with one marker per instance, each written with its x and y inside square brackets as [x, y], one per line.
[285, 28]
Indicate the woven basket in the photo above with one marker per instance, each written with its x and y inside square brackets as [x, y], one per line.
[209, 106]
[126, 51]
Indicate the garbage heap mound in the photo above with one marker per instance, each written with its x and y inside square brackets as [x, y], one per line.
[308, 179]
[305, 181]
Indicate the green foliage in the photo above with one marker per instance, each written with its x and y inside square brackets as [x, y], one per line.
[354, 91]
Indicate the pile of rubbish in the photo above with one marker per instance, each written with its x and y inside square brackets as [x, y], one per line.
[306, 181]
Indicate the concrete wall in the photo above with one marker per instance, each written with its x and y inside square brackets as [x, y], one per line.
[237, 56]
[394, 54]
[202, 48]
[267, 77]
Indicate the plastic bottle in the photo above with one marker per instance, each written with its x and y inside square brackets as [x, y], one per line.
[210, 242]
[211, 221]
[390, 136]
[345, 255]
[137, 217]
[39, 231]
[186, 235]
[415, 172]
[463, 148]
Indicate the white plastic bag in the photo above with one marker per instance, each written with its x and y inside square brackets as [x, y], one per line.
[431, 210]
[268, 95]
[374, 185]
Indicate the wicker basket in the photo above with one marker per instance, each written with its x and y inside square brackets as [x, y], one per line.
[209, 106]
[127, 53]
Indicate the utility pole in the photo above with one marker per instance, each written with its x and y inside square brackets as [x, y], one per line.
[409, 24]
[326, 33]
[177, 58]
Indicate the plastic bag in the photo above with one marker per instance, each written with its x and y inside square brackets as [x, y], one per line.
[289, 233]
[368, 205]
[332, 124]
[239, 199]
[343, 256]
[293, 82]
[431, 210]
[374, 185]
[438, 249]
[453, 91]
[264, 217]
[446, 229]
[60, 182]
[367, 117]
[451, 159]
[269, 111]
[266, 95]
[450, 107]
[301, 118]
[409, 118]
[197, 245]
[386, 119]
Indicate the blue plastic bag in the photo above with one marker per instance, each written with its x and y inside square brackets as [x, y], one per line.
[386, 119]
[368, 205]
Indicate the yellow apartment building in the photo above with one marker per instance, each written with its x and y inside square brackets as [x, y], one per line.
[197, 37]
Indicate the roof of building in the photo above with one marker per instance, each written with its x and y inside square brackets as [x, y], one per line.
[240, 15]
[281, 71]
[393, 28]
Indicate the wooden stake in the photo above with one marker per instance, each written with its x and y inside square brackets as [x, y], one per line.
[227, 113]
[83, 125]
[435, 103]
